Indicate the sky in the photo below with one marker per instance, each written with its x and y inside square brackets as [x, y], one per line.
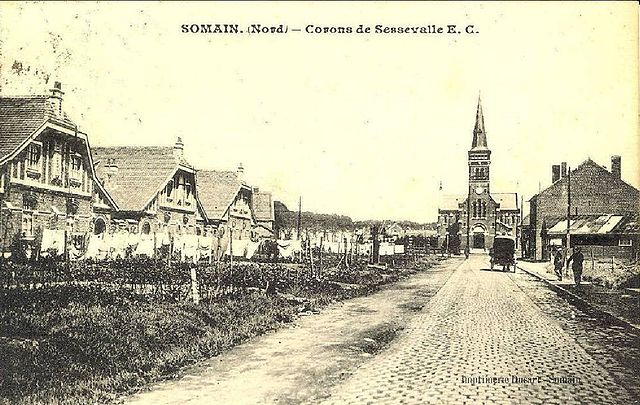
[365, 125]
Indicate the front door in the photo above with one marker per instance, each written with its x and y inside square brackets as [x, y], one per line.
[478, 240]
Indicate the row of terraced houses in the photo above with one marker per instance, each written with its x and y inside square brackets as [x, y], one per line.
[53, 182]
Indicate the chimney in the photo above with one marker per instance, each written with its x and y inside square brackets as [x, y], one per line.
[178, 149]
[555, 173]
[56, 98]
[616, 167]
[240, 172]
[563, 170]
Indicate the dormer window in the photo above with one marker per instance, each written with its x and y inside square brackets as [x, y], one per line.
[187, 188]
[169, 190]
[34, 160]
[75, 174]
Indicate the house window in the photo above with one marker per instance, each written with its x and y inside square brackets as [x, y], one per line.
[56, 163]
[76, 163]
[33, 159]
[27, 224]
[625, 242]
[187, 187]
[76, 169]
[33, 156]
[169, 190]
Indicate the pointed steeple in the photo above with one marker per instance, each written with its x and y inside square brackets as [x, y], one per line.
[479, 135]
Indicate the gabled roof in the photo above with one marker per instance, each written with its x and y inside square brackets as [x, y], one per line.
[217, 190]
[21, 117]
[507, 201]
[142, 171]
[263, 206]
[562, 182]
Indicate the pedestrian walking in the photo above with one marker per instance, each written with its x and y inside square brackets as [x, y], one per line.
[558, 263]
[577, 258]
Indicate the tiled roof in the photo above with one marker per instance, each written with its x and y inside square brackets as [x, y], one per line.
[217, 190]
[507, 201]
[584, 166]
[262, 206]
[141, 172]
[21, 116]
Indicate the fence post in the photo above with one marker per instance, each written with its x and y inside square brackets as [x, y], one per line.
[195, 294]
[320, 266]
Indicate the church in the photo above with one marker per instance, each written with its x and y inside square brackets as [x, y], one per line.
[480, 214]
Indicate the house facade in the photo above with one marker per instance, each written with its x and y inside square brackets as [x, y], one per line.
[262, 206]
[480, 215]
[47, 177]
[602, 211]
[154, 188]
[227, 201]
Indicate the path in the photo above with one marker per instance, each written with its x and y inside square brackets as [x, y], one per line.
[481, 339]
[303, 362]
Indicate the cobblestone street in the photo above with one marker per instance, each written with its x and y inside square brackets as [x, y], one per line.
[483, 339]
[460, 334]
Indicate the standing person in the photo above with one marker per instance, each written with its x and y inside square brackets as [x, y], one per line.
[558, 263]
[466, 251]
[577, 257]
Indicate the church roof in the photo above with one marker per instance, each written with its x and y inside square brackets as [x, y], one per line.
[450, 202]
[507, 201]
[479, 134]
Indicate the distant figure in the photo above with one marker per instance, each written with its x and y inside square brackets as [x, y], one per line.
[466, 252]
[577, 257]
[558, 264]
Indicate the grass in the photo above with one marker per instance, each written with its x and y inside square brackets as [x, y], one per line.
[83, 344]
[616, 274]
[88, 351]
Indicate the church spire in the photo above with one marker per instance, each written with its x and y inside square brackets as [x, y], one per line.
[479, 135]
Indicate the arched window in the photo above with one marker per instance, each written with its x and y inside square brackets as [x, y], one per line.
[146, 228]
[99, 227]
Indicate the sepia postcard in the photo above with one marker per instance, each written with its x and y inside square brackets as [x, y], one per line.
[319, 202]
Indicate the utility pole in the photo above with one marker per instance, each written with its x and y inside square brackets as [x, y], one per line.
[299, 215]
[468, 248]
[568, 212]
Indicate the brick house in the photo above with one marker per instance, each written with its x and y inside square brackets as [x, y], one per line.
[154, 188]
[227, 201]
[480, 215]
[262, 205]
[603, 208]
[47, 177]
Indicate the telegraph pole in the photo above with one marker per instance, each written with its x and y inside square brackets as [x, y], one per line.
[299, 215]
[568, 212]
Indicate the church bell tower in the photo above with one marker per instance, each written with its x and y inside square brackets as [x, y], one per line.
[479, 158]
